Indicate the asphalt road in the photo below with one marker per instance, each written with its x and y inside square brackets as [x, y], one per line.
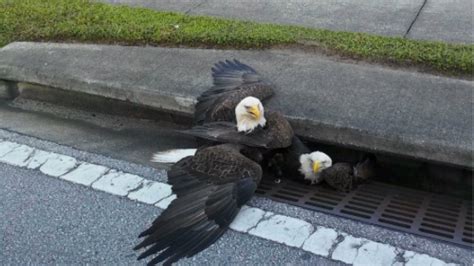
[50, 221]
[47, 220]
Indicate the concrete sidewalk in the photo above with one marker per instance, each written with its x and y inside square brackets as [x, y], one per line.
[442, 20]
[355, 105]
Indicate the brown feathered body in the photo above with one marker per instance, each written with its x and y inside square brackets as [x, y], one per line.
[233, 81]
[339, 176]
[211, 187]
[276, 134]
[345, 176]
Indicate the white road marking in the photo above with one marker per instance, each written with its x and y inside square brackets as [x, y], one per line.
[117, 183]
[321, 241]
[164, 203]
[247, 218]
[85, 174]
[151, 192]
[58, 165]
[279, 228]
[17, 156]
[6, 147]
[416, 259]
[38, 158]
[347, 250]
[373, 253]
[283, 229]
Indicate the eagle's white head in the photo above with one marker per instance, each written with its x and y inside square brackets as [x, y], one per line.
[312, 164]
[249, 114]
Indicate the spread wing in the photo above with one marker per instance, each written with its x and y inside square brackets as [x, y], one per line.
[226, 132]
[233, 81]
[277, 133]
[210, 187]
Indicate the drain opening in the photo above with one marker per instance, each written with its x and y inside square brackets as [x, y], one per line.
[389, 222]
[318, 205]
[332, 203]
[438, 222]
[399, 208]
[355, 214]
[285, 198]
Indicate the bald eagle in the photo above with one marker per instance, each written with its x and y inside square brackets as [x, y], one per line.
[345, 177]
[253, 128]
[213, 182]
[211, 186]
[233, 82]
[297, 162]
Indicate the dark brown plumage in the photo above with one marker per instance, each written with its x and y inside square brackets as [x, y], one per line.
[285, 163]
[345, 176]
[366, 168]
[233, 81]
[211, 186]
[276, 134]
[339, 176]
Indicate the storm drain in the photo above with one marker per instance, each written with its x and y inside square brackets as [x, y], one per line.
[417, 212]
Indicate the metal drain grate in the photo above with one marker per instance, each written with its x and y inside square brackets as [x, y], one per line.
[403, 209]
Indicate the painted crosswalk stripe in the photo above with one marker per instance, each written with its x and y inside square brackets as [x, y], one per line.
[85, 174]
[17, 156]
[319, 240]
[58, 165]
[283, 229]
[118, 183]
[151, 192]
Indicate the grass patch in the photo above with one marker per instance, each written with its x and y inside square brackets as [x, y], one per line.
[84, 21]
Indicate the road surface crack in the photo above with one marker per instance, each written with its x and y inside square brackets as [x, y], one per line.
[399, 258]
[194, 7]
[357, 248]
[104, 174]
[335, 243]
[415, 19]
[140, 186]
[72, 168]
[266, 216]
[30, 156]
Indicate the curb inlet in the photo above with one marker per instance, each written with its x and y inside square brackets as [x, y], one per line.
[402, 209]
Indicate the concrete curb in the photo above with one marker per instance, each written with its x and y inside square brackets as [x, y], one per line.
[8, 90]
[359, 106]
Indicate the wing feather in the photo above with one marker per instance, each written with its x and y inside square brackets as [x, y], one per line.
[277, 133]
[232, 73]
[217, 181]
[233, 81]
[225, 132]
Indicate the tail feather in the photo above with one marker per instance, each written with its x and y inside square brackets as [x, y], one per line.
[172, 156]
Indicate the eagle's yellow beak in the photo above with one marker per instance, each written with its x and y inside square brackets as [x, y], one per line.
[254, 111]
[316, 166]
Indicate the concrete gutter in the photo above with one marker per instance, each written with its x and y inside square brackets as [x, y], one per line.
[359, 106]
